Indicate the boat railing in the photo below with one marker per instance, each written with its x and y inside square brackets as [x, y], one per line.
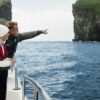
[16, 78]
[38, 89]
[14, 69]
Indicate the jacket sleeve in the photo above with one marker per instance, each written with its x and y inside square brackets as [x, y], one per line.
[27, 35]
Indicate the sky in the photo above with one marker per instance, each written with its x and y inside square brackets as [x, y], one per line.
[54, 15]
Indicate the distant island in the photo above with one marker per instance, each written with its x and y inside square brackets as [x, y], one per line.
[86, 20]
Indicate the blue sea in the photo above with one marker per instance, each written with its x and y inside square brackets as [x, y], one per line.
[66, 70]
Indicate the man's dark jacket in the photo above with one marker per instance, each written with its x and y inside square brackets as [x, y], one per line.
[12, 41]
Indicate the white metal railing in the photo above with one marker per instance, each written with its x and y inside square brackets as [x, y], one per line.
[38, 89]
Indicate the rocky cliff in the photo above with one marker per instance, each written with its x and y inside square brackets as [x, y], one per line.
[86, 20]
[5, 10]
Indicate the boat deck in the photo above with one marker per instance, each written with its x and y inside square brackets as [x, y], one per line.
[13, 94]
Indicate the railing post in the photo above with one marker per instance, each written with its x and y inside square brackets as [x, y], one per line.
[23, 89]
[35, 94]
[16, 78]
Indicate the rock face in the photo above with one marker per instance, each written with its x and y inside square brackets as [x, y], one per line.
[5, 10]
[86, 21]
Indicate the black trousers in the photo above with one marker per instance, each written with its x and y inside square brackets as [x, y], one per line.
[3, 84]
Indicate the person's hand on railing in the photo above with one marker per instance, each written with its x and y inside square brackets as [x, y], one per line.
[13, 60]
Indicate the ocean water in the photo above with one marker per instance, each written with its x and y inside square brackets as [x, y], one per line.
[66, 70]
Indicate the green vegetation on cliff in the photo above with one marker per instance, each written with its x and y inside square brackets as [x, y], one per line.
[87, 2]
[94, 4]
[2, 2]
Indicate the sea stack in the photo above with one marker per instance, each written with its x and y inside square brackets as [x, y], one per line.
[86, 20]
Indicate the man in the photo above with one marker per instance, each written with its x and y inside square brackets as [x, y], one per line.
[15, 37]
